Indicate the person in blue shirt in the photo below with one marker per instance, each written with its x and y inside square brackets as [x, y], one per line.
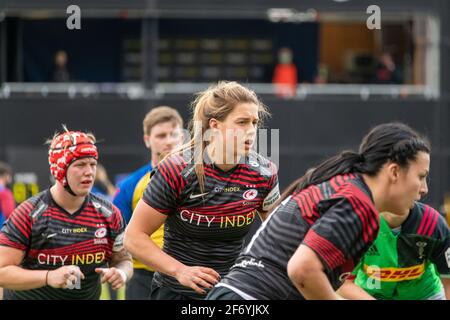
[162, 128]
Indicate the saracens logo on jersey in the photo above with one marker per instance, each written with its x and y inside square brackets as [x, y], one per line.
[250, 194]
[100, 233]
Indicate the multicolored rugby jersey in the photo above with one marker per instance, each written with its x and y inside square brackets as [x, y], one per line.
[127, 197]
[208, 229]
[407, 264]
[336, 219]
[51, 237]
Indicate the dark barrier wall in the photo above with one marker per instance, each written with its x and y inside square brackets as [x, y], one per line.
[309, 131]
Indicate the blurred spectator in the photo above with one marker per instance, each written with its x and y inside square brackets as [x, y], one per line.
[60, 71]
[322, 74]
[7, 203]
[285, 74]
[102, 185]
[386, 71]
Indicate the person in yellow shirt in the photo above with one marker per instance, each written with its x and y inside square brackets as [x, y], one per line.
[162, 128]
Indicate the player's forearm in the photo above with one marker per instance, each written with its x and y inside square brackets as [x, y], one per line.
[349, 290]
[17, 278]
[446, 285]
[313, 284]
[146, 251]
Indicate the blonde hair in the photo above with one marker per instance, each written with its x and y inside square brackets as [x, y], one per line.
[217, 102]
[159, 115]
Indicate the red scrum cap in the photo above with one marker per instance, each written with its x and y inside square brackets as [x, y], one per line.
[67, 147]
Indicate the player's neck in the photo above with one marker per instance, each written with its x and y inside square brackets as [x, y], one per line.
[221, 160]
[394, 220]
[378, 189]
[65, 200]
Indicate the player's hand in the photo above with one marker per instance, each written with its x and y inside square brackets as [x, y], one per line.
[116, 277]
[198, 278]
[65, 277]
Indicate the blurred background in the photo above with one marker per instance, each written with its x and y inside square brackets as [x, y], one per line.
[340, 77]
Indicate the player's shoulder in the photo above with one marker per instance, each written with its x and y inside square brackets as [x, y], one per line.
[178, 165]
[429, 221]
[261, 165]
[102, 205]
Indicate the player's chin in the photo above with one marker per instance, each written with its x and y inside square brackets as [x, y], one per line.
[82, 192]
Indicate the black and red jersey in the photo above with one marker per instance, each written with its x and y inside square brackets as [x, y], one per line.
[208, 228]
[51, 237]
[337, 219]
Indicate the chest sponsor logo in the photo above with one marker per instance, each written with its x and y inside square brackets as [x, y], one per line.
[227, 189]
[395, 274]
[227, 221]
[76, 259]
[250, 194]
[74, 230]
[100, 233]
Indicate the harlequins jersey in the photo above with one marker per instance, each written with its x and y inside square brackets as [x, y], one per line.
[403, 265]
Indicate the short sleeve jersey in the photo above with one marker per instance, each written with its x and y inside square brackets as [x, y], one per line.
[408, 264]
[51, 237]
[336, 219]
[208, 228]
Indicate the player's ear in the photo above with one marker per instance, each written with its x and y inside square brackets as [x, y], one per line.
[146, 139]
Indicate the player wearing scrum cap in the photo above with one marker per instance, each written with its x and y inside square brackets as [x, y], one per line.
[61, 243]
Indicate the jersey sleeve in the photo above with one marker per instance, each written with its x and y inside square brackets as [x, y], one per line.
[16, 232]
[123, 199]
[274, 190]
[441, 251]
[117, 229]
[345, 231]
[166, 184]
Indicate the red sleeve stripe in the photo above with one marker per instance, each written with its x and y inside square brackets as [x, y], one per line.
[317, 194]
[172, 173]
[4, 240]
[430, 224]
[23, 218]
[165, 175]
[332, 256]
[333, 184]
[312, 203]
[304, 206]
[426, 217]
[433, 225]
[370, 227]
[19, 225]
[373, 216]
[26, 206]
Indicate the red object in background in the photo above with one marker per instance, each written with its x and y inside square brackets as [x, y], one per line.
[285, 79]
[7, 203]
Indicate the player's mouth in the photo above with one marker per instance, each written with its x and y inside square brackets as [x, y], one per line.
[248, 144]
[87, 183]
